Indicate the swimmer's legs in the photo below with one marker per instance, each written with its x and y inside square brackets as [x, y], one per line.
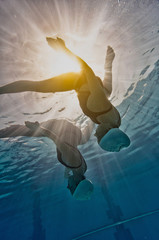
[63, 82]
[18, 86]
[107, 82]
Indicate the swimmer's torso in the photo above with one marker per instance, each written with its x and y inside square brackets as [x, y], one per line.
[84, 96]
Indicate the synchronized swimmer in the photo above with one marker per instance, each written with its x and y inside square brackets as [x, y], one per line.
[92, 94]
[66, 136]
[93, 97]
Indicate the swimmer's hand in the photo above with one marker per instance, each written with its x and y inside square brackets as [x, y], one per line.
[32, 125]
[56, 43]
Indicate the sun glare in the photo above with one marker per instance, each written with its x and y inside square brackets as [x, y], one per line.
[58, 63]
[67, 64]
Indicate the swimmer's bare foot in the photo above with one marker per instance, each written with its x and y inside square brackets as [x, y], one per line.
[110, 56]
[56, 43]
[32, 125]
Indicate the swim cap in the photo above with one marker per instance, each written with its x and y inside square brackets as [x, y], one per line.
[114, 140]
[84, 190]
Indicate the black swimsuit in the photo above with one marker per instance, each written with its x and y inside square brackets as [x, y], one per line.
[59, 157]
[83, 97]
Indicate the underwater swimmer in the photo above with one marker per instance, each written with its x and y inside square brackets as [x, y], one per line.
[92, 94]
[67, 136]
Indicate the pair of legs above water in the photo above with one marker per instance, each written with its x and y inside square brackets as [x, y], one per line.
[92, 93]
[67, 81]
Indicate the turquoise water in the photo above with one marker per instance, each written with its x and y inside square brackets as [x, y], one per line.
[35, 203]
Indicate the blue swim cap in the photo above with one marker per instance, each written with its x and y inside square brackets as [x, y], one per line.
[84, 190]
[114, 140]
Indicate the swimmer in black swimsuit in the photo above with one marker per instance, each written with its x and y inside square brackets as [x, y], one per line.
[92, 95]
[67, 136]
